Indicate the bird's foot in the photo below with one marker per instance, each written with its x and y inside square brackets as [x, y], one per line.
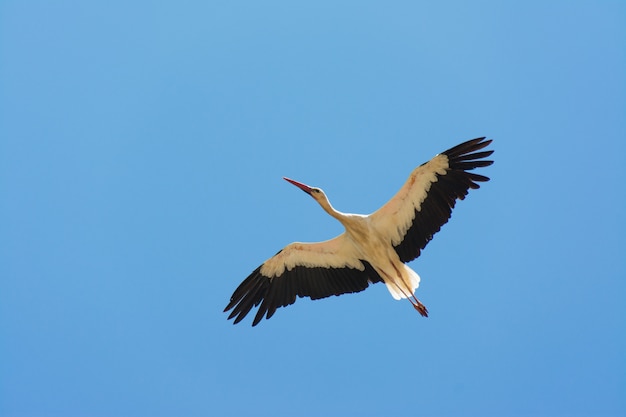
[421, 308]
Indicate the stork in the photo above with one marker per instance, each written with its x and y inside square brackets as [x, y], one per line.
[374, 248]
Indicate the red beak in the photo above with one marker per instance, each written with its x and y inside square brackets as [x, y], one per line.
[301, 186]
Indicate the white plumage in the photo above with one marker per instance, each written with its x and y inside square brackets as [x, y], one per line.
[373, 248]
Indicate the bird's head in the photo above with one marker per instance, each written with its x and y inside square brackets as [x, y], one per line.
[314, 192]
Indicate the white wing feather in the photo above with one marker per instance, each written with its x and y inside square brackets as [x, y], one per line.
[334, 253]
[396, 216]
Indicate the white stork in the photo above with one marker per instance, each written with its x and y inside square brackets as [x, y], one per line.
[373, 248]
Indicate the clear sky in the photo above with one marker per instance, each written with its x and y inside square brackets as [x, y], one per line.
[142, 146]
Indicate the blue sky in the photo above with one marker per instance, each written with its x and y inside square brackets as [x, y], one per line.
[142, 146]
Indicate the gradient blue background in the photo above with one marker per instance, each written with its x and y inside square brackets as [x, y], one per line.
[142, 146]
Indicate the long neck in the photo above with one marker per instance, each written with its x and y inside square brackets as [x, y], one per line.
[328, 208]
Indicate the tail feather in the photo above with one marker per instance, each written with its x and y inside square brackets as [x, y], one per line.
[405, 287]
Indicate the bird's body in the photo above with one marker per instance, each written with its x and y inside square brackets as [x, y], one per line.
[373, 248]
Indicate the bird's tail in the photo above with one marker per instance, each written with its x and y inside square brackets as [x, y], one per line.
[406, 285]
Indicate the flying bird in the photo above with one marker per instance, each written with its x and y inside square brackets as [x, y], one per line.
[374, 248]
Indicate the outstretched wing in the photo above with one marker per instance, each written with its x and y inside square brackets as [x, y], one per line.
[315, 270]
[426, 200]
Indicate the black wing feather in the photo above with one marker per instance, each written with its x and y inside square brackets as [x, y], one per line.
[436, 209]
[272, 293]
